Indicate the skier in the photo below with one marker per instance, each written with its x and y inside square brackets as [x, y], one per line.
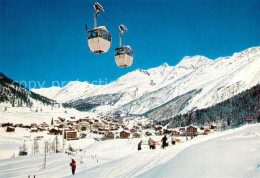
[173, 140]
[164, 141]
[154, 145]
[73, 166]
[139, 145]
[150, 142]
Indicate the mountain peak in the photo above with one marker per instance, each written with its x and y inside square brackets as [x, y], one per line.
[165, 65]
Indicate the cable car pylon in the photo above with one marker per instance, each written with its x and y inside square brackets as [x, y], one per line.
[124, 55]
[99, 39]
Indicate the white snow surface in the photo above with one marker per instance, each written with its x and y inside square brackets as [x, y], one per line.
[231, 153]
[218, 80]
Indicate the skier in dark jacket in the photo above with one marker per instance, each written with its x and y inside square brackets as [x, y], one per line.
[73, 166]
[139, 145]
[164, 141]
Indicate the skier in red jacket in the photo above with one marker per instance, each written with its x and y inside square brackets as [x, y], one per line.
[73, 166]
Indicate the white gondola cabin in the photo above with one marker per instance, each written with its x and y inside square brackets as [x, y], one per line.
[124, 55]
[99, 39]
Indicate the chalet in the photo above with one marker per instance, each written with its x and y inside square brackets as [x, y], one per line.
[34, 130]
[158, 128]
[176, 133]
[101, 129]
[214, 127]
[83, 135]
[23, 153]
[34, 125]
[98, 124]
[62, 125]
[7, 124]
[202, 128]
[133, 130]
[40, 129]
[192, 130]
[70, 135]
[54, 131]
[95, 131]
[136, 135]
[167, 131]
[83, 120]
[10, 129]
[124, 134]
[44, 125]
[206, 131]
[182, 129]
[61, 119]
[84, 128]
[109, 135]
[101, 133]
[147, 133]
[27, 126]
[19, 125]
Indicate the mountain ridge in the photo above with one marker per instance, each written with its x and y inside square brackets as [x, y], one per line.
[144, 90]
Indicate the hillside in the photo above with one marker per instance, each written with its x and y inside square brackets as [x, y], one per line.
[14, 94]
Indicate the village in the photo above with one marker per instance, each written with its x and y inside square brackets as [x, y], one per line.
[101, 128]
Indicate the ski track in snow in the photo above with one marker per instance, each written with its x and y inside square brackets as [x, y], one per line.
[120, 158]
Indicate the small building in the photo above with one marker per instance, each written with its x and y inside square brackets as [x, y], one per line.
[83, 135]
[34, 125]
[7, 124]
[54, 131]
[182, 129]
[124, 134]
[158, 128]
[83, 128]
[19, 125]
[214, 127]
[34, 130]
[71, 135]
[23, 153]
[176, 133]
[206, 131]
[136, 135]
[133, 130]
[167, 131]
[10, 129]
[147, 133]
[192, 130]
[109, 135]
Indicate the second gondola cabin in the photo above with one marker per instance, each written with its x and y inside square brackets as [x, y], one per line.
[124, 55]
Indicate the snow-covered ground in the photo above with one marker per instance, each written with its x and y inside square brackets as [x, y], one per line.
[235, 152]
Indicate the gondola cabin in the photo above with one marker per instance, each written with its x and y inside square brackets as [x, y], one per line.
[99, 40]
[124, 56]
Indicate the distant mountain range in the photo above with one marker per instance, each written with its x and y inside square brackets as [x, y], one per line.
[196, 82]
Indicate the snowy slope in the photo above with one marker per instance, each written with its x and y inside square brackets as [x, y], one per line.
[232, 153]
[142, 90]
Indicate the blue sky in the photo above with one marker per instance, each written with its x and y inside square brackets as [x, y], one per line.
[45, 40]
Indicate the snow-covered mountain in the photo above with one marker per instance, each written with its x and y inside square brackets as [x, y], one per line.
[196, 82]
[14, 94]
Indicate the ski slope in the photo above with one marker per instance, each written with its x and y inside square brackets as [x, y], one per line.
[231, 153]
